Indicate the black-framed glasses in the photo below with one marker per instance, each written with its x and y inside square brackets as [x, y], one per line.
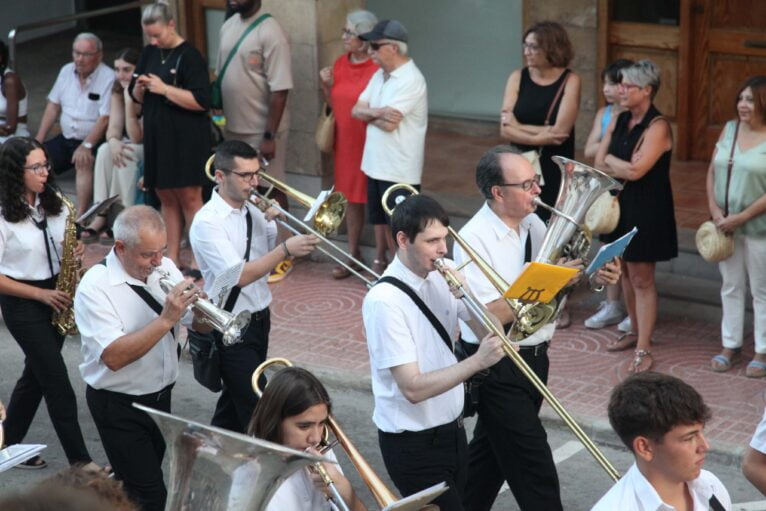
[377, 46]
[531, 47]
[38, 168]
[247, 176]
[525, 185]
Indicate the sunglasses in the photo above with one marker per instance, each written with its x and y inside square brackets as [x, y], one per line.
[377, 46]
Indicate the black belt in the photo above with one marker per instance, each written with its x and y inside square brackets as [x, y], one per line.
[259, 315]
[539, 349]
[436, 431]
[48, 283]
[152, 397]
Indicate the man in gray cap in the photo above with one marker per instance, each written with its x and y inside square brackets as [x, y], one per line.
[395, 108]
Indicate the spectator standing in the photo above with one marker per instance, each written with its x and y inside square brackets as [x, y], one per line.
[81, 95]
[254, 90]
[637, 149]
[395, 107]
[13, 100]
[174, 87]
[745, 221]
[341, 84]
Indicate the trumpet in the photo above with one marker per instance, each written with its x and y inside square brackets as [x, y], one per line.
[385, 498]
[326, 220]
[508, 346]
[231, 327]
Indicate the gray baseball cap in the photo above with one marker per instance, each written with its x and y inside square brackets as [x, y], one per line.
[386, 29]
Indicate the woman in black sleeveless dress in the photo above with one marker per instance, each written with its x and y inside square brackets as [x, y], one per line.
[541, 103]
[636, 149]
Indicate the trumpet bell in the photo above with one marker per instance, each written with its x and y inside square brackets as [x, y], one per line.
[213, 469]
[330, 213]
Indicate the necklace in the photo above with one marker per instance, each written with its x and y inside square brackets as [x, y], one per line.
[163, 58]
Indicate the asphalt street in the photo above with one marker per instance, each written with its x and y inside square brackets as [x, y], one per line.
[582, 479]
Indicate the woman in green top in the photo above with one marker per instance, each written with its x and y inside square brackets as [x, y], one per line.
[746, 221]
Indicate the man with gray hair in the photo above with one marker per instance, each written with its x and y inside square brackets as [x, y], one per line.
[395, 107]
[129, 331]
[81, 95]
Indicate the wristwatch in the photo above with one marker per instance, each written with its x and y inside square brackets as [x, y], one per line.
[268, 135]
[87, 145]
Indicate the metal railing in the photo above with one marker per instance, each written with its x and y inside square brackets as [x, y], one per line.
[63, 19]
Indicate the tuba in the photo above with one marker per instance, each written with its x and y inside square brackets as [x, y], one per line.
[566, 236]
[69, 272]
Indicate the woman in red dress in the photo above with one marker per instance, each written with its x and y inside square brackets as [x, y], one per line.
[341, 84]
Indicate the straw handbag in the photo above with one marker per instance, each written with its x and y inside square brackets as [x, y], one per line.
[325, 132]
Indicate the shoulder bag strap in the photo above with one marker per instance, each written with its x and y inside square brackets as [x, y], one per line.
[715, 504]
[729, 166]
[556, 97]
[232, 299]
[236, 46]
[643, 134]
[422, 306]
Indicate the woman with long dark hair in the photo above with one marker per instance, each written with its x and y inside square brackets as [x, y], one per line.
[32, 221]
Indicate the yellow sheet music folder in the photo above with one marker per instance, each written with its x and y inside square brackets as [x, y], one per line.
[539, 282]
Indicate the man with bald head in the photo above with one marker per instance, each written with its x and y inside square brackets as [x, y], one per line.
[509, 441]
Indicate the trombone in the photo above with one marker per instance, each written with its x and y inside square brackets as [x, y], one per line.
[385, 498]
[508, 346]
[326, 220]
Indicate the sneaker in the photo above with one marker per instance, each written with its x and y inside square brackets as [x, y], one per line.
[608, 313]
[625, 325]
[280, 271]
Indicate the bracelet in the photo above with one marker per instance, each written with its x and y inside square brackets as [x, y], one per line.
[284, 246]
[593, 287]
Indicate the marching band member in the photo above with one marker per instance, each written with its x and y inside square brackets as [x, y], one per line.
[129, 330]
[31, 233]
[416, 379]
[219, 238]
[293, 411]
[509, 441]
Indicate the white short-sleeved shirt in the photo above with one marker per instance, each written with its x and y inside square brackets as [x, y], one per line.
[758, 442]
[298, 493]
[634, 493]
[218, 236]
[22, 245]
[106, 308]
[503, 249]
[399, 333]
[397, 155]
[262, 64]
[82, 106]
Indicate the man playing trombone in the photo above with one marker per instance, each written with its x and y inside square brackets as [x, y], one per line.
[219, 237]
[129, 328]
[509, 441]
[416, 379]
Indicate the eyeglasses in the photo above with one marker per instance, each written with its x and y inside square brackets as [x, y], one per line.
[525, 185]
[247, 176]
[531, 47]
[85, 54]
[349, 33]
[625, 86]
[377, 46]
[39, 168]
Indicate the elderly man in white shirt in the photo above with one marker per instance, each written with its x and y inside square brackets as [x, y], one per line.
[81, 95]
[129, 329]
[395, 107]
[218, 236]
[661, 420]
[416, 379]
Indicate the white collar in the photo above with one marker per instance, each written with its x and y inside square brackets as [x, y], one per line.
[222, 208]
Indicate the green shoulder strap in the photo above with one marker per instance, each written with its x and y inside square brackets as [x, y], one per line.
[236, 46]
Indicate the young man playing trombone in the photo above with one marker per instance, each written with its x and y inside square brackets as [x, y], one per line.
[509, 441]
[129, 329]
[416, 379]
[219, 238]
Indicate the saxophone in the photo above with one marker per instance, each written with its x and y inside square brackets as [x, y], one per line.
[70, 270]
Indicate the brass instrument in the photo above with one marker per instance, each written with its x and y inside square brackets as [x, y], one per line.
[69, 273]
[214, 469]
[385, 498]
[230, 326]
[327, 219]
[477, 310]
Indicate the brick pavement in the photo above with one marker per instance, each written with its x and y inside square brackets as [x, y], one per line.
[316, 321]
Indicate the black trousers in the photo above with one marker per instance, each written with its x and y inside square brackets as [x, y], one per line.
[133, 442]
[238, 361]
[416, 460]
[44, 375]
[509, 441]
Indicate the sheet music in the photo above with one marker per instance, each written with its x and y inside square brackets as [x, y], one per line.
[315, 206]
[223, 284]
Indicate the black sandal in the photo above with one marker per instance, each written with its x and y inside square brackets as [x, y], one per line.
[33, 463]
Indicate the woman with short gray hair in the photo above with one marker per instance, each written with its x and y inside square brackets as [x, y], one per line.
[637, 149]
[342, 84]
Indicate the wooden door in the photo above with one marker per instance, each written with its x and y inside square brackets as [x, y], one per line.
[727, 46]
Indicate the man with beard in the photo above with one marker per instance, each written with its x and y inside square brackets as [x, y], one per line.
[254, 61]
